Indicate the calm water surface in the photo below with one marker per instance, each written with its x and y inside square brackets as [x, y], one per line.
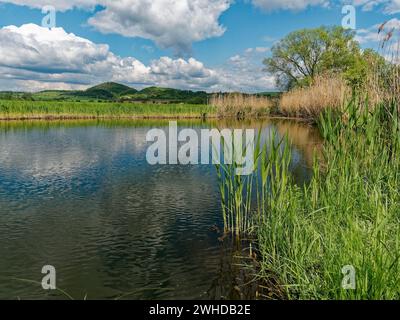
[80, 196]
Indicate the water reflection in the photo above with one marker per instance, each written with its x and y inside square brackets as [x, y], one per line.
[80, 196]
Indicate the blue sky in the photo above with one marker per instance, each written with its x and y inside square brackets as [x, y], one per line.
[193, 44]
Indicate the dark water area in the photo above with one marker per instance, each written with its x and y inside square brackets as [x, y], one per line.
[80, 196]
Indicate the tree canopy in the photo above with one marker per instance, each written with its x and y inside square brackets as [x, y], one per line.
[302, 55]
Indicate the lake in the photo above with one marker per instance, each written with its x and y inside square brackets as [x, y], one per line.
[80, 196]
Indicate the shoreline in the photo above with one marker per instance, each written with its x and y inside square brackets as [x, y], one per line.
[53, 117]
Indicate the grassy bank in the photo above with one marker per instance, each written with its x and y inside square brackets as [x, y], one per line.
[18, 109]
[238, 106]
[349, 215]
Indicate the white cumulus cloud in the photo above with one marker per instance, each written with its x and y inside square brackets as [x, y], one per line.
[35, 48]
[35, 58]
[169, 23]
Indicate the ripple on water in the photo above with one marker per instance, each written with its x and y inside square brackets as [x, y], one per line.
[84, 200]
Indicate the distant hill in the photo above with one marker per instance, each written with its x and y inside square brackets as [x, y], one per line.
[168, 95]
[111, 91]
[108, 90]
[112, 87]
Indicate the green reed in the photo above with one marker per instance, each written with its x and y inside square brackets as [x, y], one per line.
[236, 192]
[348, 215]
[243, 197]
[13, 109]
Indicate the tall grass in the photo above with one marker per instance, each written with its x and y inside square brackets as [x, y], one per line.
[243, 197]
[326, 91]
[347, 215]
[241, 105]
[18, 109]
[236, 194]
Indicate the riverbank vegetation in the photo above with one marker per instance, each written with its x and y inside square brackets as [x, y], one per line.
[17, 109]
[337, 237]
[347, 216]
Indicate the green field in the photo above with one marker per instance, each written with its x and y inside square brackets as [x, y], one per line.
[20, 109]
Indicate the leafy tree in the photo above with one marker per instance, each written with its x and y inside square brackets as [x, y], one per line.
[368, 66]
[302, 55]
